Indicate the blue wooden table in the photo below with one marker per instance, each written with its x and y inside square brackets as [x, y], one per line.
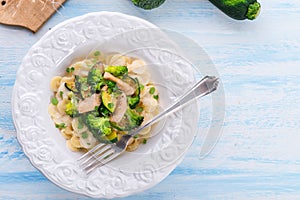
[258, 154]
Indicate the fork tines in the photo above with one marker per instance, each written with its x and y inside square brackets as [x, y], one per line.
[97, 156]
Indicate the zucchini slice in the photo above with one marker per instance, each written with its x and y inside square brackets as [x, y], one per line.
[109, 101]
[113, 137]
[82, 87]
[71, 87]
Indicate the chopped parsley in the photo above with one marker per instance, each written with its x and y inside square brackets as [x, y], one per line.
[142, 87]
[145, 141]
[79, 125]
[97, 53]
[94, 61]
[152, 90]
[84, 135]
[61, 94]
[70, 69]
[54, 101]
[139, 109]
[156, 97]
[60, 126]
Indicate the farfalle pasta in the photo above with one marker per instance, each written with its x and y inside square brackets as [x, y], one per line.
[101, 98]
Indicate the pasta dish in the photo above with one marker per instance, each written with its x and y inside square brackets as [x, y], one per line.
[102, 97]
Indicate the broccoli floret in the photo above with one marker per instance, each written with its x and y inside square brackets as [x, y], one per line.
[148, 4]
[81, 83]
[131, 120]
[134, 119]
[99, 126]
[112, 86]
[117, 70]
[95, 112]
[71, 109]
[95, 76]
[95, 79]
[82, 86]
[71, 106]
[134, 100]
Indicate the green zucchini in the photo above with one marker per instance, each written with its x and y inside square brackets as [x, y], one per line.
[148, 4]
[238, 9]
[82, 87]
[109, 101]
[104, 139]
[113, 137]
[71, 87]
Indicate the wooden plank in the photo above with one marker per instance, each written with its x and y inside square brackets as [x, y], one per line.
[31, 14]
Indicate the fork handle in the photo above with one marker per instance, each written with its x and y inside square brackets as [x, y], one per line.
[205, 86]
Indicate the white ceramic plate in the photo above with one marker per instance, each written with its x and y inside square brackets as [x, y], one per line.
[42, 142]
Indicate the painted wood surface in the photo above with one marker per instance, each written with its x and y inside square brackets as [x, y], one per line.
[257, 156]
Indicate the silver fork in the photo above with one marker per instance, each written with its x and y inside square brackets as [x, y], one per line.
[104, 153]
